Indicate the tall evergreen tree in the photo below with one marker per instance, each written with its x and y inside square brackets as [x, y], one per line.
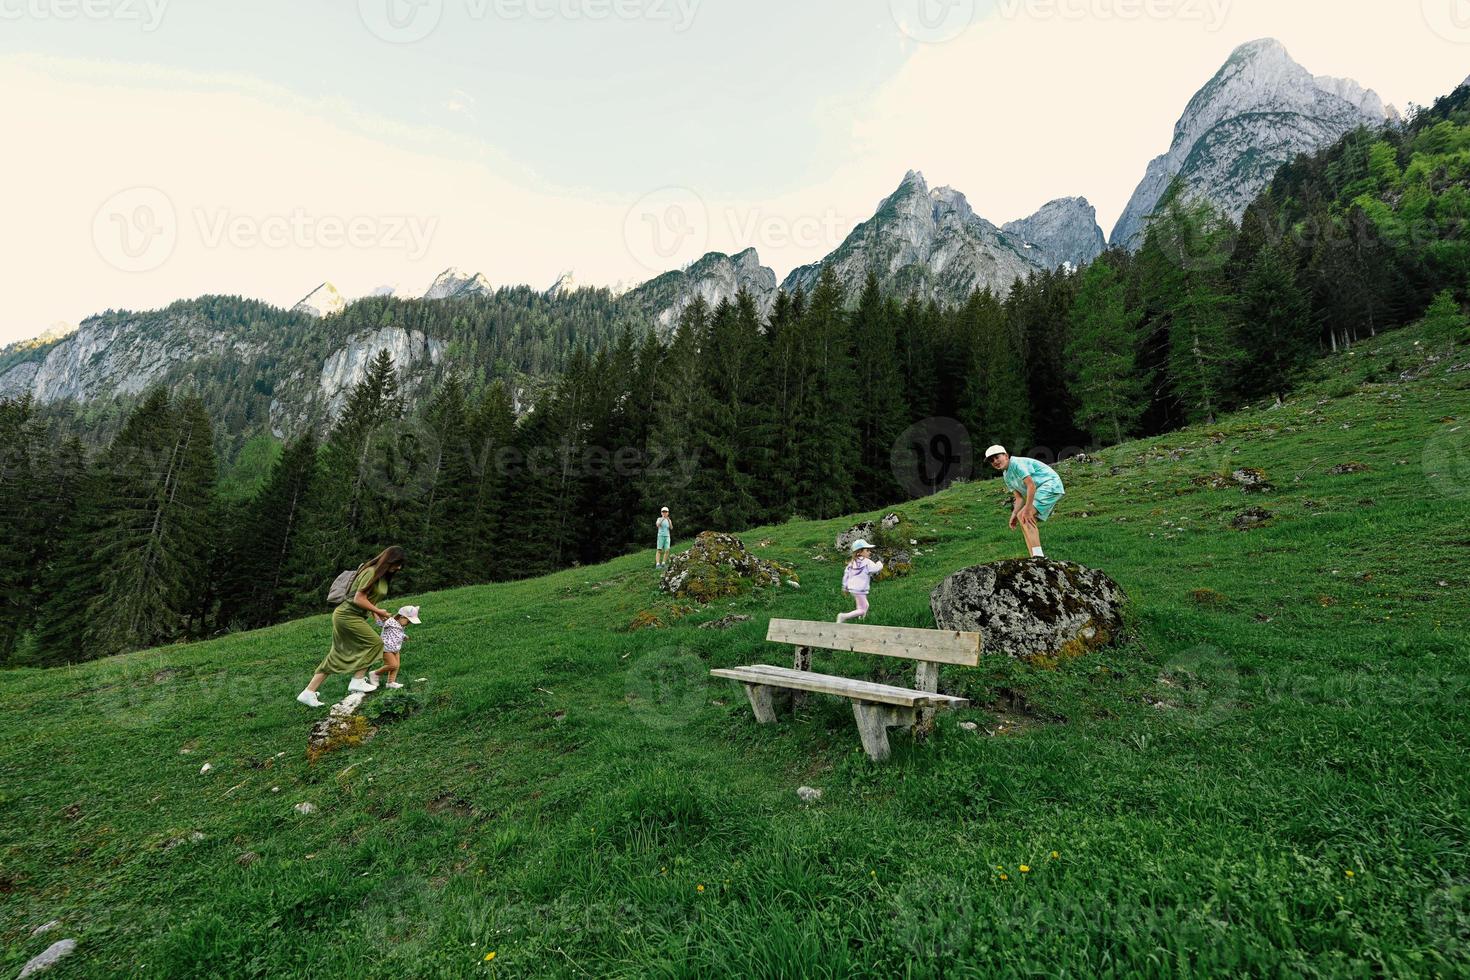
[879, 407]
[353, 513]
[731, 417]
[825, 457]
[675, 455]
[1202, 355]
[1275, 326]
[1103, 354]
[144, 553]
[38, 483]
[266, 536]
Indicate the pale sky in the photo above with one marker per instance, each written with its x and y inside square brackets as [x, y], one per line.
[162, 149]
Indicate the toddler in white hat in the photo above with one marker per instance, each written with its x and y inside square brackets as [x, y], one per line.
[393, 637]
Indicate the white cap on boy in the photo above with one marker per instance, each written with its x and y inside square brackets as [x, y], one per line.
[410, 613]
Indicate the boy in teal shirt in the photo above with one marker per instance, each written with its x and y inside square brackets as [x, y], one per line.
[1035, 490]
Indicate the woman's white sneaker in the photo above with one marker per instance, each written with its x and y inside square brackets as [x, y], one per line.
[310, 699]
[361, 685]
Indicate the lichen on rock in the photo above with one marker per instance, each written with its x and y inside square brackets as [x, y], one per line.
[1032, 609]
[337, 732]
[719, 566]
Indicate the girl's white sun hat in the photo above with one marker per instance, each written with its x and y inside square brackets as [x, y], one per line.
[859, 545]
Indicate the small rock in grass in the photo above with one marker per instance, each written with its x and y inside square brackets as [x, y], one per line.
[52, 955]
[725, 622]
[44, 928]
[1252, 479]
[793, 583]
[969, 726]
[305, 809]
[1247, 519]
[808, 794]
[196, 836]
[205, 768]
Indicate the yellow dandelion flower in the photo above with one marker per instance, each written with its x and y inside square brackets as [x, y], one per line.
[1055, 855]
[490, 956]
[1025, 869]
[699, 888]
[1005, 878]
[1349, 874]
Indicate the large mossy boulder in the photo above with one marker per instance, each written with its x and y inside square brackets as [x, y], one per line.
[1032, 609]
[717, 566]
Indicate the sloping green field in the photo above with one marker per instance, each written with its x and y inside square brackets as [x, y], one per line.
[1269, 779]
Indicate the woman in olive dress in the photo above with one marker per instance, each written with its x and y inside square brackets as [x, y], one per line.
[356, 646]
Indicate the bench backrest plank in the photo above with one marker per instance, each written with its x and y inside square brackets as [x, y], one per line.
[908, 643]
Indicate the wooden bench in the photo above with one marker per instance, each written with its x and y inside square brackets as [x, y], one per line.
[877, 707]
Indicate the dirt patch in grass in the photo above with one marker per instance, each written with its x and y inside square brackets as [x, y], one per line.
[448, 803]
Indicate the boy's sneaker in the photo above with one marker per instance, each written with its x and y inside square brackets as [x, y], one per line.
[310, 699]
[395, 685]
[361, 685]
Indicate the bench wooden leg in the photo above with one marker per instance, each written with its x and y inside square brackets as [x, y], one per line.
[801, 661]
[926, 678]
[873, 722]
[762, 702]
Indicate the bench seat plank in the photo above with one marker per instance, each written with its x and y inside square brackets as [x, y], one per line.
[846, 687]
[933, 646]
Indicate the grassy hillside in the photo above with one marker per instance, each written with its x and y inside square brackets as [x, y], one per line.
[1270, 778]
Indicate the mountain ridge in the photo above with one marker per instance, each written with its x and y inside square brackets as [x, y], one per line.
[1223, 151]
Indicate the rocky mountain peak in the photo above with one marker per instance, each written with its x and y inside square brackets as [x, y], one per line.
[948, 201]
[324, 300]
[453, 283]
[715, 277]
[565, 283]
[933, 244]
[1065, 230]
[1259, 111]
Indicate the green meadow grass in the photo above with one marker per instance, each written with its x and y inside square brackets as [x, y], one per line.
[1269, 778]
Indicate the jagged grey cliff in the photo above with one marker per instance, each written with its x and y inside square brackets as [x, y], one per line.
[931, 242]
[1259, 112]
[1065, 230]
[715, 277]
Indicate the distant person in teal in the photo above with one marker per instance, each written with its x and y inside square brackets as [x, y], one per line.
[665, 529]
[1035, 489]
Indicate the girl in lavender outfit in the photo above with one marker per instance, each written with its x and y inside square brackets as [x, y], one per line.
[857, 576]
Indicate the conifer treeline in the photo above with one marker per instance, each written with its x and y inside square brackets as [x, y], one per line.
[736, 420]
